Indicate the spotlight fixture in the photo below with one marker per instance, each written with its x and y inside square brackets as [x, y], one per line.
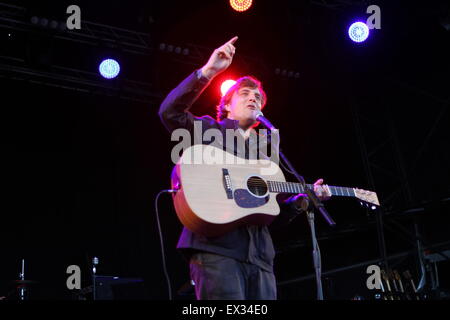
[287, 73]
[226, 85]
[240, 5]
[358, 31]
[109, 68]
[171, 48]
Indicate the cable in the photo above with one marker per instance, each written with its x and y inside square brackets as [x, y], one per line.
[166, 274]
[286, 168]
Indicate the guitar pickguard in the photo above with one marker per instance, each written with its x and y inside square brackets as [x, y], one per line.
[245, 199]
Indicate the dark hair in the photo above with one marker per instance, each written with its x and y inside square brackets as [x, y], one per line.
[247, 82]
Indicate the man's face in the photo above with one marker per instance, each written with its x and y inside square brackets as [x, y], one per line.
[244, 104]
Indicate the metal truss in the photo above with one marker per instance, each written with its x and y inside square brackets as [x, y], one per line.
[385, 166]
[439, 247]
[16, 18]
[383, 160]
[339, 4]
[78, 80]
[95, 34]
[387, 174]
[98, 35]
[16, 67]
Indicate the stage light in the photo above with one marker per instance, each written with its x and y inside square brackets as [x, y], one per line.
[240, 5]
[43, 22]
[287, 73]
[358, 31]
[62, 26]
[226, 85]
[172, 49]
[109, 68]
[48, 24]
[53, 24]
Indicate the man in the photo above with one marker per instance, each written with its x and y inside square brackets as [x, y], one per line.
[239, 264]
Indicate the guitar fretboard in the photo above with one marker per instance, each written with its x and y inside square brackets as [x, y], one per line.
[293, 187]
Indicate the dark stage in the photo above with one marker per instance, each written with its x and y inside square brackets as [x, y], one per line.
[84, 157]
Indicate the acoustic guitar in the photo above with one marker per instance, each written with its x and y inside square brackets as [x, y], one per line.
[217, 191]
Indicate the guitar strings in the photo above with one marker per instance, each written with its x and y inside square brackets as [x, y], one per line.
[279, 185]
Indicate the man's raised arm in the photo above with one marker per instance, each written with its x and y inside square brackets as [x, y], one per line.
[174, 110]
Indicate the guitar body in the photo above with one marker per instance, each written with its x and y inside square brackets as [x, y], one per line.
[213, 199]
[218, 192]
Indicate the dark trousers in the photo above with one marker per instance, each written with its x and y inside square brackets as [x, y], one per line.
[218, 277]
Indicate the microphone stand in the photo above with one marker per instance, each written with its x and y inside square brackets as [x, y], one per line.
[312, 199]
[318, 205]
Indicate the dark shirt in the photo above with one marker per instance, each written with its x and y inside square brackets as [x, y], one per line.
[252, 244]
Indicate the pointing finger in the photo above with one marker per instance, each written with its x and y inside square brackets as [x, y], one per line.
[318, 182]
[233, 40]
[231, 49]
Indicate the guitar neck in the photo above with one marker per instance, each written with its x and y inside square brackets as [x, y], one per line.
[293, 187]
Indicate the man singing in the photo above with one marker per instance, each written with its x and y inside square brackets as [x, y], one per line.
[239, 264]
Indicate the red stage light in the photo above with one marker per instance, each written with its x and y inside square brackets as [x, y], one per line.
[240, 5]
[226, 85]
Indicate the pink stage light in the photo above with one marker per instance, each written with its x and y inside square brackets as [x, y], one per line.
[226, 85]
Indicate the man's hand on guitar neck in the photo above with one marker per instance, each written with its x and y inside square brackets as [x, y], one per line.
[321, 191]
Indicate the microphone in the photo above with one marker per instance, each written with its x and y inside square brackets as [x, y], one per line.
[260, 117]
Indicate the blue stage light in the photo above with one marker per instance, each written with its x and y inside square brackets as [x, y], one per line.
[109, 68]
[358, 32]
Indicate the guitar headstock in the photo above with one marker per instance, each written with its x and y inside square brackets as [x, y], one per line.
[397, 275]
[367, 196]
[384, 275]
[407, 275]
[391, 275]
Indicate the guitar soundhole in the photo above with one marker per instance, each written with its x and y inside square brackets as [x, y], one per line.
[257, 186]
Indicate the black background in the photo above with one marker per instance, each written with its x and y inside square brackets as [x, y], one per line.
[81, 170]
